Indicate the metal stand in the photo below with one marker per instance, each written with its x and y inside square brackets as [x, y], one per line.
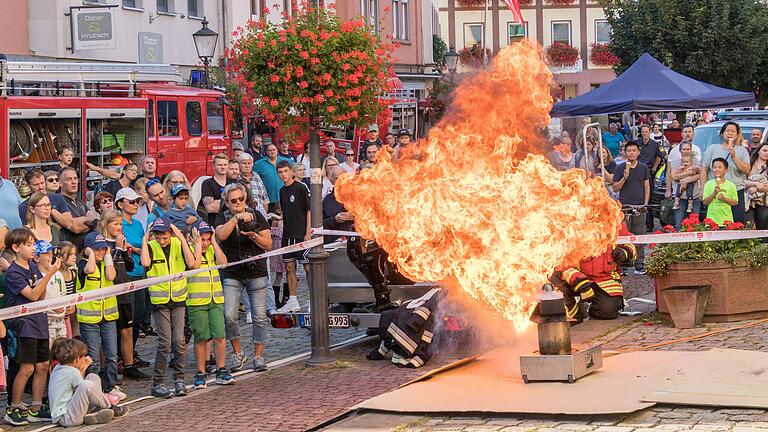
[318, 257]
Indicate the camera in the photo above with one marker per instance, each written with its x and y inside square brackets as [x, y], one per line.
[250, 226]
[56, 254]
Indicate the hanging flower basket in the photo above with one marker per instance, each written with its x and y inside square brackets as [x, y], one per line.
[473, 56]
[561, 54]
[561, 2]
[602, 55]
[471, 3]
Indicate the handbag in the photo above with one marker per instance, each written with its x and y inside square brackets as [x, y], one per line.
[667, 211]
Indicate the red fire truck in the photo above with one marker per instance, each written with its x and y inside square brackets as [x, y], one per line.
[106, 110]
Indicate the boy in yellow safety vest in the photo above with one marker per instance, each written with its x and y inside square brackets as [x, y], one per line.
[98, 318]
[205, 306]
[168, 254]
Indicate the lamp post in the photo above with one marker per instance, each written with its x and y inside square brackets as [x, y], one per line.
[318, 257]
[451, 61]
[205, 43]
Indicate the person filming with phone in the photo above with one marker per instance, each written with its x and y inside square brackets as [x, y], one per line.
[737, 159]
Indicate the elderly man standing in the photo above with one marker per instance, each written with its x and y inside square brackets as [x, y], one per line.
[83, 219]
[253, 182]
[266, 168]
[159, 196]
[330, 150]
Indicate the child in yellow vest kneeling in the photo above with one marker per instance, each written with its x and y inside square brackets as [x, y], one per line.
[168, 254]
[205, 307]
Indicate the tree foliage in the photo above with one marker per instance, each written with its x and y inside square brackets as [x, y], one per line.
[722, 42]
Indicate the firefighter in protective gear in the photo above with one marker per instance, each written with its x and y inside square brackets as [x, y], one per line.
[596, 280]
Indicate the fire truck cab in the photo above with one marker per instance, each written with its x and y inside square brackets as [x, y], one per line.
[110, 114]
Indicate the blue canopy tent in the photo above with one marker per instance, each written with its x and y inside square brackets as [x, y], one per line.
[648, 85]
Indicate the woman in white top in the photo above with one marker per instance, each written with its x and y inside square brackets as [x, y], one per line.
[328, 165]
[349, 164]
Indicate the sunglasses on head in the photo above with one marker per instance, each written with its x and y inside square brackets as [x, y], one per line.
[237, 200]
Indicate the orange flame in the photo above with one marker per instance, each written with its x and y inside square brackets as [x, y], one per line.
[472, 203]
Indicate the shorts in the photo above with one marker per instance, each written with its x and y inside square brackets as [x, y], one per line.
[206, 322]
[31, 350]
[299, 256]
[125, 319]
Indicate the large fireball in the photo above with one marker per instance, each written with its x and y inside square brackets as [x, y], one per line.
[475, 204]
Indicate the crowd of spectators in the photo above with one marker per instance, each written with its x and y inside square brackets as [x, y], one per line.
[730, 178]
[139, 225]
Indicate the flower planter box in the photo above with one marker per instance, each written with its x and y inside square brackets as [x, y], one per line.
[738, 292]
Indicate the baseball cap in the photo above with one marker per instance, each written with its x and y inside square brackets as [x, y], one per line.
[402, 132]
[161, 225]
[127, 193]
[95, 240]
[178, 188]
[42, 246]
[373, 128]
[203, 228]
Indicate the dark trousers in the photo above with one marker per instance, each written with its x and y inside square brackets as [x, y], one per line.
[739, 213]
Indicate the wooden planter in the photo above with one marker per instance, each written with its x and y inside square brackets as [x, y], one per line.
[738, 292]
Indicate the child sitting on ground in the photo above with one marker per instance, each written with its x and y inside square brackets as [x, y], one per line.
[45, 258]
[686, 182]
[182, 214]
[74, 400]
[720, 194]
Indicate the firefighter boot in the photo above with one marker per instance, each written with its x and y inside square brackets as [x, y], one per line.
[381, 295]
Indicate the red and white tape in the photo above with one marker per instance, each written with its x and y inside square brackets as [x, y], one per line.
[690, 237]
[678, 237]
[82, 297]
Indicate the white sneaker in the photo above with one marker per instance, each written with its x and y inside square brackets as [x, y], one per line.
[117, 391]
[248, 317]
[292, 305]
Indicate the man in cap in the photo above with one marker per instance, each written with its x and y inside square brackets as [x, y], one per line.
[403, 139]
[371, 138]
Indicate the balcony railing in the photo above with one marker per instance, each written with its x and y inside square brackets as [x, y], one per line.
[576, 68]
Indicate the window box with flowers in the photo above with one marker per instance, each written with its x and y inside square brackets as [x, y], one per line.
[561, 54]
[473, 56]
[736, 271]
[561, 2]
[471, 3]
[601, 55]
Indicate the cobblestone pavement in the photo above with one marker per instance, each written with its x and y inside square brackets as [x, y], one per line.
[645, 330]
[293, 397]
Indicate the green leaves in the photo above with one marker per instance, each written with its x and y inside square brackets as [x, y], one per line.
[722, 42]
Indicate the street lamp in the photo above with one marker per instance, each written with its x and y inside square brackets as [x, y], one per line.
[451, 60]
[205, 44]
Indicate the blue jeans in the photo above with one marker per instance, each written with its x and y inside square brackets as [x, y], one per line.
[682, 212]
[96, 336]
[256, 289]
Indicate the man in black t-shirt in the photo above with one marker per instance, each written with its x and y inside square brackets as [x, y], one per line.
[210, 191]
[632, 180]
[294, 203]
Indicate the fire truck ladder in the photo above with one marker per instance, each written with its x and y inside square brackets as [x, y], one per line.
[80, 79]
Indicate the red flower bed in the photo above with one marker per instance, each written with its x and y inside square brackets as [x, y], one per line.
[473, 56]
[560, 54]
[602, 55]
[471, 3]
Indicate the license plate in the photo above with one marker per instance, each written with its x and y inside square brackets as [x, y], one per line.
[334, 320]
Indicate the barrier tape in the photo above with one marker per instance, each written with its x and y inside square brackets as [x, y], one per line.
[690, 237]
[678, 237]
[127, 287]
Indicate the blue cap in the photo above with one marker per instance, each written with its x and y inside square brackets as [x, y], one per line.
[203, 228]
[161, 225]
[95, 240]
[179, 188]
[42, 246]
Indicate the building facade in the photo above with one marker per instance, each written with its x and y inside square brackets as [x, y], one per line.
[578, 23]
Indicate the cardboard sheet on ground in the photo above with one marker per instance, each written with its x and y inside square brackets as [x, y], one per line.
[493, 384]
[719, 377]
